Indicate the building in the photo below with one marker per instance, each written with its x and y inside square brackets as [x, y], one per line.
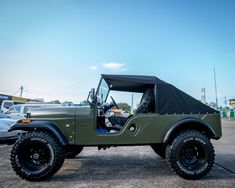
[10, 100]
[232, 103]
[13, 98]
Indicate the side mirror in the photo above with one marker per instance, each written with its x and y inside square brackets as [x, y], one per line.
[92, 94]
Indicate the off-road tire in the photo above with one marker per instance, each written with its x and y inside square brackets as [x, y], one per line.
[159, 149]
[37, 156]
[72, 151]
[190, 155]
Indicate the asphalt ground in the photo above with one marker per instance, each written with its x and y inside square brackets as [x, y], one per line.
[128, 167]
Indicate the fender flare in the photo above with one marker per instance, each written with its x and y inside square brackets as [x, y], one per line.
[179, 125]
[42, 125]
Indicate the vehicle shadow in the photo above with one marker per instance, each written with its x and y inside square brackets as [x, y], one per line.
[119, 167]
[87, 168]
[226, 161]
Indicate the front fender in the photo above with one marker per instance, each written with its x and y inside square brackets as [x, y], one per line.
[44, 126]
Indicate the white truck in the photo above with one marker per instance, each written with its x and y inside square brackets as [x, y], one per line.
[20, 111]
[6, 104]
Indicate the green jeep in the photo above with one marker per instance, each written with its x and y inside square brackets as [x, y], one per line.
[176, 126]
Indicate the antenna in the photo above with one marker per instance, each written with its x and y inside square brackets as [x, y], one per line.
[216, 97]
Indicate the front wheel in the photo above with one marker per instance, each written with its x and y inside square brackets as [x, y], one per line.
[191, 155]
[36, 156]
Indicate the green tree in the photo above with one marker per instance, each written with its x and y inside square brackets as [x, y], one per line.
[84, 102]
[55, 102]
[125, 107]
[67, 102]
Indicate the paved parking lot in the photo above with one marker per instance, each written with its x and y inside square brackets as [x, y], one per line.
[129, 167]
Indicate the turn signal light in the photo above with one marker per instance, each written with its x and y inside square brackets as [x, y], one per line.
[25, 121]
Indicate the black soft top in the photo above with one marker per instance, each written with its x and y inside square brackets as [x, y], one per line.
[168, 98]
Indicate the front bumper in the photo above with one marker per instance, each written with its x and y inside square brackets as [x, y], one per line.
[9, 137]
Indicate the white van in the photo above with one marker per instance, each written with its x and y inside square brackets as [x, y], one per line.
[20, 111]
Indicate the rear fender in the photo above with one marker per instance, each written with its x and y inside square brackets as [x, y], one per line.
[189, 123]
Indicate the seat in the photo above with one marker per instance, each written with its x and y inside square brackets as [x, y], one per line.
[146, 105]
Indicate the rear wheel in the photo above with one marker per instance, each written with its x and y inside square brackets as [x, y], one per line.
[159, 149]
[36, 156]
[191, 155]
[73, 151]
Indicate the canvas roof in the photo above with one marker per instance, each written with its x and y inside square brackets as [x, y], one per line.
[131, 83]
[168, 98]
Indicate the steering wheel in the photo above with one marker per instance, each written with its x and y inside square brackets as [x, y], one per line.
[114, 103]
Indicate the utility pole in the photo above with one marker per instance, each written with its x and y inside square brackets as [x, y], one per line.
[203, 95]
[225, 101]
[132, 103]
[216, 97]
[21, 91]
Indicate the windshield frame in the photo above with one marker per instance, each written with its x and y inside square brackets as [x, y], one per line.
[98, 88]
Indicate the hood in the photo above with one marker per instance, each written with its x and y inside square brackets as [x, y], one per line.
[53, 112]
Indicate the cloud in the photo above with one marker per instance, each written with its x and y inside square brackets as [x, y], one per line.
[115, 66]
[74, 82]
[93, 67]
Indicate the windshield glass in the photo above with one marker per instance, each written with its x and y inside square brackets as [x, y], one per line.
[103, 90]
[15, 109]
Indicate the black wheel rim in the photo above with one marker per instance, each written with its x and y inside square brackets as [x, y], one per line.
[36, 156]
[193, 156]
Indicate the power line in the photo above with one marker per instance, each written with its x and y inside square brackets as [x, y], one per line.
[16, 93]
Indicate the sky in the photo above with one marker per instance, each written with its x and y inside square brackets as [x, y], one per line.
[57, 49]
